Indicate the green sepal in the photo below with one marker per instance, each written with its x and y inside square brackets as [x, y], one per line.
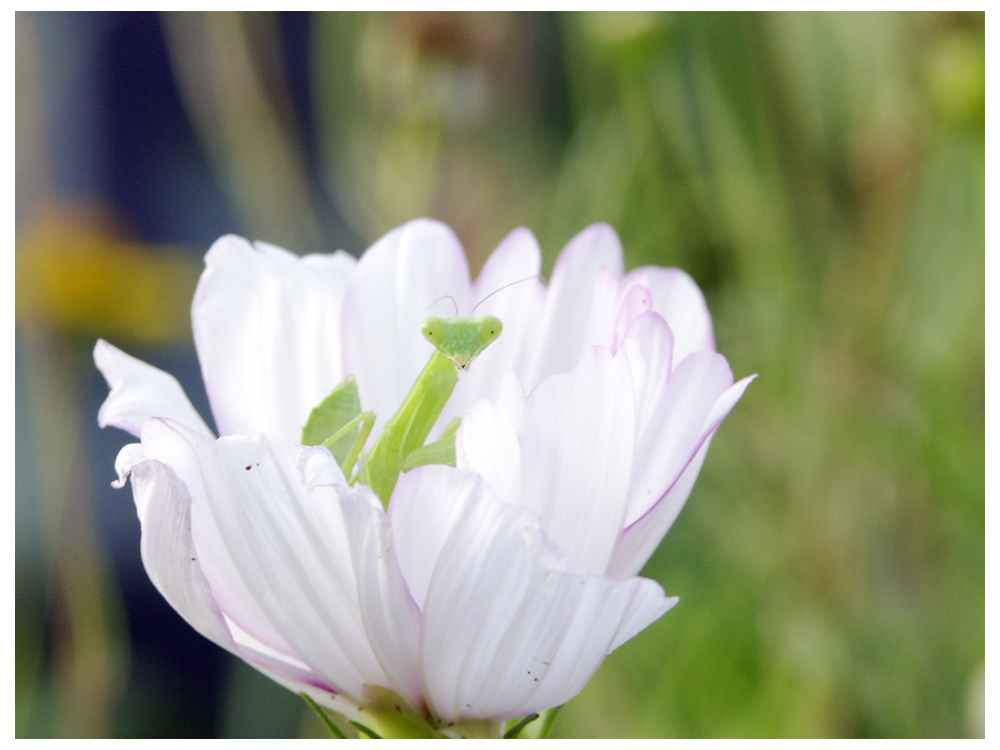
[386, 715]
[336, 410]
[548, 718]
[515, 730]
[324, 718]
[362, 729]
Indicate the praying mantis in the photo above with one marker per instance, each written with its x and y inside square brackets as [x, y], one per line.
[339, 425]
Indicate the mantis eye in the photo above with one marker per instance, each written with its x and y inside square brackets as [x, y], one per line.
[433, 330]
[490, 329]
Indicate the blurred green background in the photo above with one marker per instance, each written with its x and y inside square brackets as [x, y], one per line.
[820, 175]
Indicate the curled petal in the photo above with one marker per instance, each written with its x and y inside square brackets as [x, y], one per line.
[679, 300]
[320, 469]
[183, 451]
[128, 457]
[648, 345]
[674, 425]
[140, 391]
[266, 327]
[172, 561]
[168, 550]
[643, 535]
[637, 300]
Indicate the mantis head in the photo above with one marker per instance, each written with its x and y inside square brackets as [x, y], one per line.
[462, 339]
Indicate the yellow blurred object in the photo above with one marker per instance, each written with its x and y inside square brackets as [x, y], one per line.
[74, 277]
[956, 77]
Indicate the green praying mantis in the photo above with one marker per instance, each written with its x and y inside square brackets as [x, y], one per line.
[339, 425]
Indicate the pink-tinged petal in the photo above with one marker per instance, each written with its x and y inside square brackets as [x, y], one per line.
[426, 505]
[289, 672]
[184, 451]
[516, 261]
[577, 443]
[390, 615]
[398, 283]
[674, 425]
[643, 536]
[292, 550]
[140, 391]
[637, 301]
[640, 540]
[267, 327]
[648, 345]
[725, 405]
[507, 629]
[643, 610]
[563, 332]
[679, 300]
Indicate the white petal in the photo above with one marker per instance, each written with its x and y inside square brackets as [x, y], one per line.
[390, 615]
[128, 457]
[168, 550]
[395, 287]
[674, 425]
[645, 608]
[426, 505]
[636, 301]
[184, 451]
[320, 469]
[291, 548]
[605, 611]
[643, 536]
[172, 562]
[488, 443]
[517, 261]
[267, 330]
[679, 300]
[563, 332]
[140, 391]
[507, 630]
[577, 441]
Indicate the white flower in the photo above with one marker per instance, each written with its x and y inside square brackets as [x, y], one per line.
[486, 591]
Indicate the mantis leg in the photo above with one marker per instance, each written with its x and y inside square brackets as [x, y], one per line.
[367, 420]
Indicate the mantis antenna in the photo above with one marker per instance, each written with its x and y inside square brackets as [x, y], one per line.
[447, 296]
[505, 286]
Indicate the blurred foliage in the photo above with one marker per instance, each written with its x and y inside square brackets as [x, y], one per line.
[820, 175]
